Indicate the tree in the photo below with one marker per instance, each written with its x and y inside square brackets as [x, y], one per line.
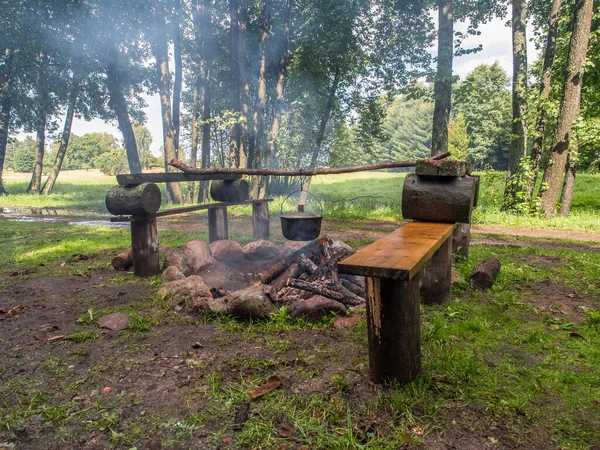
[562, 143]
[442, 91]
[143, 140]
[484, 100]
[112, 163]
[458, 138]
[515, 193]
[21, 155]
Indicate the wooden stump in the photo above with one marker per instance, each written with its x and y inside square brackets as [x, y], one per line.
[436, 283]
[484, 274]
[438, 199]
[461, 240]
[137, 200]
[394, 329]
[217, 224]
[260, 220]
[144, 246]
[230, 191]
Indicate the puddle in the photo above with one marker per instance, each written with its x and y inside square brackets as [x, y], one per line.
[52, 215]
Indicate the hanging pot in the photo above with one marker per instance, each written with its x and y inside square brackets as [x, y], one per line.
[300, 225]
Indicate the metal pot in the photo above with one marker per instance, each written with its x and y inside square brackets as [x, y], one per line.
[300, 225]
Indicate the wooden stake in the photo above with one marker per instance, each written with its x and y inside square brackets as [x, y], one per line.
[260, 220]
[144, 246]
[217, 224]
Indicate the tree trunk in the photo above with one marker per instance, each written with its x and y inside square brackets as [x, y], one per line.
[118, 103]
[442, 90]
[244, 86]
[178, 79]
[161, 55]
[41, 65]
[518, 145]
[569, 105]
[536, 148]
[281, 79]
[566, 197]
[5, 109]
[321, 134]
[234, 129]
[66, 135]
[258, 121]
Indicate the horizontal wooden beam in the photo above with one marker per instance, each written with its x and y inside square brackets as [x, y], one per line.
[171, 177]
[186, 209]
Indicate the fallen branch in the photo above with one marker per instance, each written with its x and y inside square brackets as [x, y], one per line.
[299, 172]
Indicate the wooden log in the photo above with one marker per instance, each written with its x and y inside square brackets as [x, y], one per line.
[137, 200]
[300, 172]
[394, 329]
[355, 289]
[461, 240]
[311, 250]
[307, 264]
[217, 224]
[442, 168]
[144, 247]
[294, 271]
[436, 282]
[350, 298]
[484, 274]
[169, 177]
[438, 199]
[123, 261]
[260, 220]
[320, 290]
[233, 191]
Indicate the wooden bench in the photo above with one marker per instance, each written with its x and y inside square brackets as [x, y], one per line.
[411, 264]
[137, 200]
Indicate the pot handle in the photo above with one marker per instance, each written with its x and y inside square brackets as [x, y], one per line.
[301, 190]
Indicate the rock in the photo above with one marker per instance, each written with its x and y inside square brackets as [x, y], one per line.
[339, 245]
[316, 307]
[259, 250]
[253, 302]
[289, 247]
[172, 273]
[227, 251]
[176, 258]
[191, 293]
[115, 321]
[347, 322]
[198, 255]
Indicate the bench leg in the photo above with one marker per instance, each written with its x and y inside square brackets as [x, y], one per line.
[260, 220]
[394, 329]
[144, 246]
[461, 240]
[436, 285]
[217, 224]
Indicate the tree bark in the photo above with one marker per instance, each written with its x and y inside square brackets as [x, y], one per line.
[234, 129]
[540, 127]
[41, 65]
[566, 197]
[161, 55]
[118, 104]
[178, 78]
[280, 89]
[518, 145]
[258, 121]
[244, 86]
[64, 139]
[569, 106]
[5, 109]
[442, 89]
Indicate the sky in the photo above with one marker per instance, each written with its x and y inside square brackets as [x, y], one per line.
[495, 38]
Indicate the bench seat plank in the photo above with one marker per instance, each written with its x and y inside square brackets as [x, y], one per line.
[400, 254]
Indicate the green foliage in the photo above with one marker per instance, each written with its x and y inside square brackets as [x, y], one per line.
[84, 151]
[485, 102]
[112, 162]
[21, 155]
[458, 138]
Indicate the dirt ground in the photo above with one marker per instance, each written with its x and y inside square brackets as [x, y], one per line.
[136, 388]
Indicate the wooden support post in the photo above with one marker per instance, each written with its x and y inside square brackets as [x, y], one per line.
[144, 246]
[461, 240]
[260, 220]
[217, 224]
[394, 329]
[436, 284]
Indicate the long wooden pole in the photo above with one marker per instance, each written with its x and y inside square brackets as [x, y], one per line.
[300, 172]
